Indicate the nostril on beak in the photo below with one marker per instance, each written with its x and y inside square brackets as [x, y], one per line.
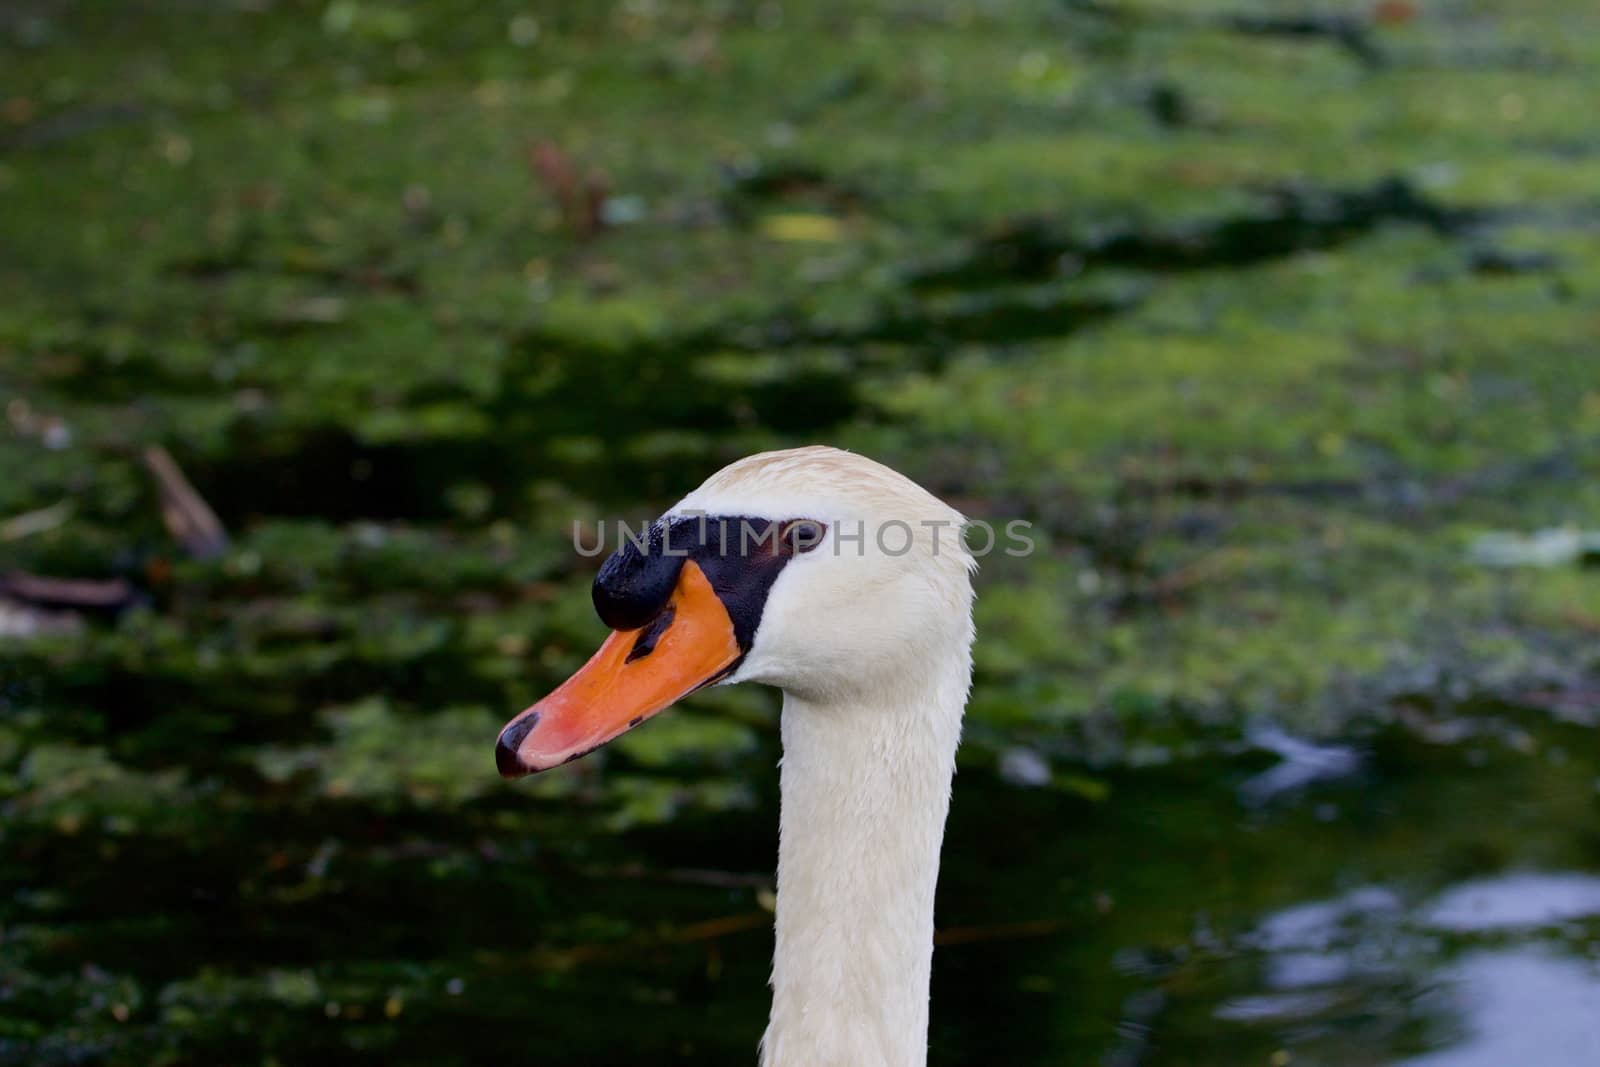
[506, 759]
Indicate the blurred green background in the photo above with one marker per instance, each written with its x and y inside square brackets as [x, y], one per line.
[1277, 321]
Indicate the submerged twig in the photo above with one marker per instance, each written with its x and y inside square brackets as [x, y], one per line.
[36, 522]
[968, 935]
[33, 605]
[67, 592]
[708, 930]
[712, 929]
[1211, 565]
[186, 514]
[711, 879]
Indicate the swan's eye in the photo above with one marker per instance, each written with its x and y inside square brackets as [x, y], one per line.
[804, 534]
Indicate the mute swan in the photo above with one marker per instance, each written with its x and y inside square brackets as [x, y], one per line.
[847, 586]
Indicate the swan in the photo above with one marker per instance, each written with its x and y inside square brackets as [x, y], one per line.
[847, 586]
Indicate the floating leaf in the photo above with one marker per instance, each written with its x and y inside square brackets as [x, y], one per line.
[797, 227]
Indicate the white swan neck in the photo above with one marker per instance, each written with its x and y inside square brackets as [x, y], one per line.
[865, 791]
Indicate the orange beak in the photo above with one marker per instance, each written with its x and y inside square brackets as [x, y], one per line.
[635, 674]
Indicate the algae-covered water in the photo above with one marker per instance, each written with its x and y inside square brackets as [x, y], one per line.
[1429, 895]
[1274, 323]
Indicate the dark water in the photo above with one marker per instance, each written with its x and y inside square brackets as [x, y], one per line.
[1440, 905]
[1427, 895]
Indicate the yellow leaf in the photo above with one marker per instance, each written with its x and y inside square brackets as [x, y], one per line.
[796, 227]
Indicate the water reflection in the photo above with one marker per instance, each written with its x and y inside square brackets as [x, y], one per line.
[1520, 1007]
[1428, 903]
[1494, 971]
[1517, 901]
[1513, 982]
[1526, 1005]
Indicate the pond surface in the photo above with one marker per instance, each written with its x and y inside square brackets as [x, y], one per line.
[406, 289]
[1427, 895]
[1439, 905]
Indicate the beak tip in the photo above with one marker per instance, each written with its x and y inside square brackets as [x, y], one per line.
[507, 759]
[507, 762]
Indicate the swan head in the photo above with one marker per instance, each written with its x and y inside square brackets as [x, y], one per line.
[814, 570]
